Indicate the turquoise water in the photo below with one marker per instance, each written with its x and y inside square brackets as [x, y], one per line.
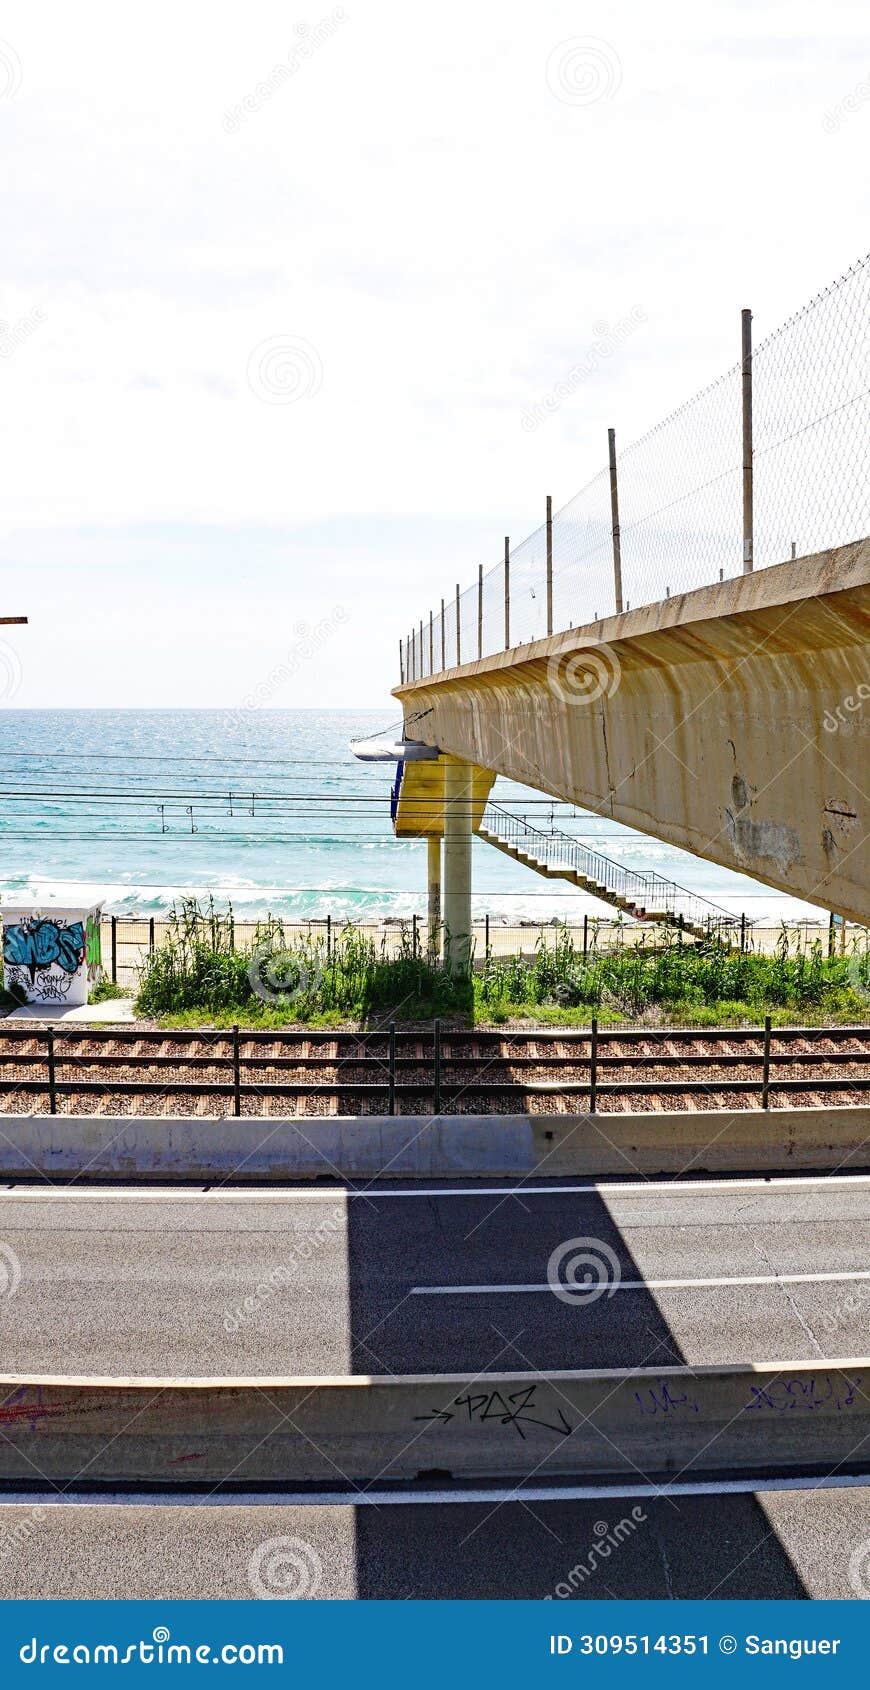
[268, 809]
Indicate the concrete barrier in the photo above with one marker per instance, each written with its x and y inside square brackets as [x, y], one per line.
[812, 1416]
[200, 1148]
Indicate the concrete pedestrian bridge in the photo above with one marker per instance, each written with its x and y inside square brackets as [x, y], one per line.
[732, 722]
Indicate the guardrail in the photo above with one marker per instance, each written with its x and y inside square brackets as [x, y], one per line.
[442, 1069]
[641, 1423]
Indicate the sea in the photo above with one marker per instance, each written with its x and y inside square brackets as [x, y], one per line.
[270, 811]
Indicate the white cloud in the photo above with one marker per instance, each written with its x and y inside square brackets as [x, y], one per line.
[418, 207]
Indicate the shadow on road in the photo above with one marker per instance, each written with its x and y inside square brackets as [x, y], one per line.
[641, 1547]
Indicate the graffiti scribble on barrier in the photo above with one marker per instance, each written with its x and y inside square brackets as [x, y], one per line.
[823, 1391]
[783, 1394]
[661, 1400]
[511, 1410]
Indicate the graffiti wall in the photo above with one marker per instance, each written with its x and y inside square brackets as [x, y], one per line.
[51, 956]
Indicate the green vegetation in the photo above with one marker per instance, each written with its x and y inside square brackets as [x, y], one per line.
[706, 981]
[106, 989]
[273, 983]
[198, 976]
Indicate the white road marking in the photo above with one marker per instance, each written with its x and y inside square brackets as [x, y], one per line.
[412, 1497]
[371, 1194]
[608, 1287]
[632, 1188]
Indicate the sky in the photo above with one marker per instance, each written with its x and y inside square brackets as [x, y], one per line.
[279, 286]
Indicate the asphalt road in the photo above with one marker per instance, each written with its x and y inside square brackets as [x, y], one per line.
[325, 1281]
[792, 1544]
[219, 1282]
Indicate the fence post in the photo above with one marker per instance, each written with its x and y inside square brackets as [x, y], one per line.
[436, 1065]
[151, 934]
[507, 593]
[392, 1093]
[52, 1083]
[748, 514]
[480, 610]
[742, 930]
[328, 937]
[414, 935]
[421, 648]
[593, 1066]
[401, 662]
[237, 1074]
[486, 937]
[585, 936]
[114, 947]
[765, 1072]
[443, 643]
[458, 631]
[431, 643]
[614, 517]
[549, 564]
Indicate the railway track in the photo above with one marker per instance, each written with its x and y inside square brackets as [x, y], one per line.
[433, 1070]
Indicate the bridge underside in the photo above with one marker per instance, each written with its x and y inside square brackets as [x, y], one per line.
[733, 722]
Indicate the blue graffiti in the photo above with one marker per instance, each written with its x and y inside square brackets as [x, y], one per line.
[38, 944]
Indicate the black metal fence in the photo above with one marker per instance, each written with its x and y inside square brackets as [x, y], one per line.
[444, 1070]
[127, 940]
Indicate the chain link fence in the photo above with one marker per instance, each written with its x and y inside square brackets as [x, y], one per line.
[680, 494]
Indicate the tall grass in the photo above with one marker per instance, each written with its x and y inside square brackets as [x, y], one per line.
[198, 969]
[677, 977]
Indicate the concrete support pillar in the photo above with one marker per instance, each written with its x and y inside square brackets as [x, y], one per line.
[457, 866]
[434, 910]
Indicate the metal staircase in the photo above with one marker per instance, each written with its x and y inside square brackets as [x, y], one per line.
[645, 897]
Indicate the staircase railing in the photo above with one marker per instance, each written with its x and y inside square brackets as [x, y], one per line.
[645, 891]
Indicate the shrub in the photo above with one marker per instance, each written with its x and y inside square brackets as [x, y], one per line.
[198, 968]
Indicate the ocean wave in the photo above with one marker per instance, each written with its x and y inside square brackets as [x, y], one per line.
[344, 902]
